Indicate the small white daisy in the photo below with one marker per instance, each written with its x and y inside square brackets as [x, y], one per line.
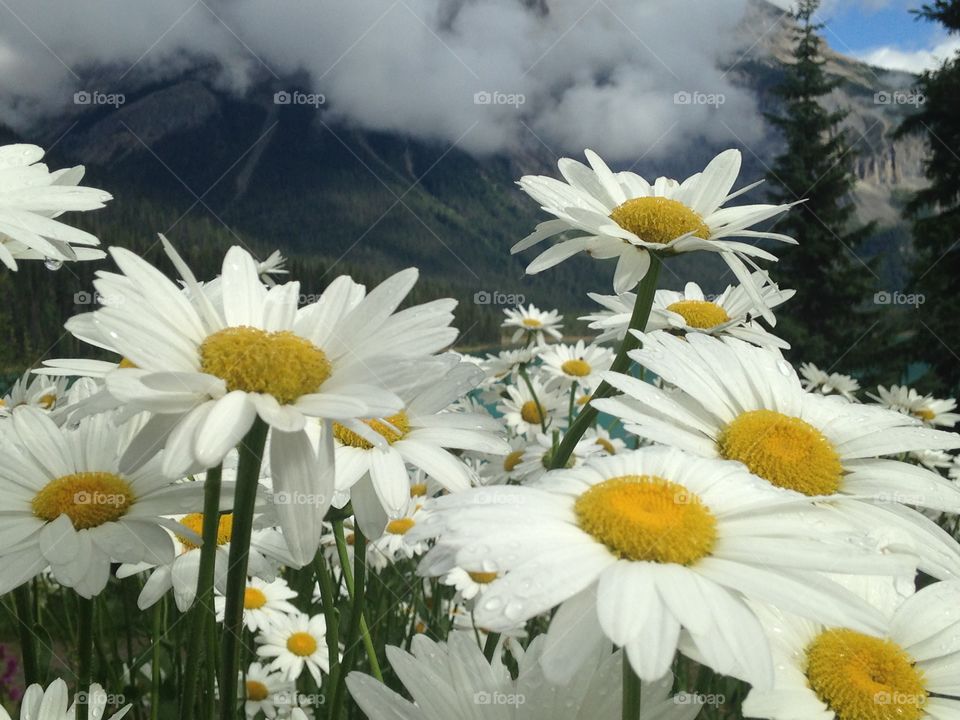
[817, 380]
[263, 603]
[54, 703]
[527, 413]
[533, 324]
[637, 546]
[34, 390]
[266, 692]
[581, 364]
[932, 411]
[31, 197]
[296, 643]
[621, 215]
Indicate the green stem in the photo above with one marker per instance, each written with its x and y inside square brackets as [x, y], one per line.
[85, 653]
[490, 646]
[638, 321]
[158, 613]
[631, 692]
[28, 644]
[328, 597]
[536, 401]
[203, 604]
[245, 499]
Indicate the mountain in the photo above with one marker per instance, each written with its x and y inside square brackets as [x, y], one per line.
[207, 168]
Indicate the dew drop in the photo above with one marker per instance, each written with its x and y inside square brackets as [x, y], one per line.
[52, 264]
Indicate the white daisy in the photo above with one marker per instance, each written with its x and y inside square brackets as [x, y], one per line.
[527, 413]
[54, 703]
[30, 197]
[622, 215]
[209, 370]
[817, 380]
[636, 546]
[744, 403]
[68, 506]
[34, 390]
[421, 434]
[909, 673]
[266, 692]
[263, 603]
[933, 411]
[533, 324]
[469, 584]
[537, 457]
[506, 362]
[580, 363]
[392, 544]
[296, 643]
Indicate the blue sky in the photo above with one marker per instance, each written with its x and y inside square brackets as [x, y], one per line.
[885, 33]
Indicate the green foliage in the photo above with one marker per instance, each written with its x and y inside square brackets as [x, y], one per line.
[832, 308]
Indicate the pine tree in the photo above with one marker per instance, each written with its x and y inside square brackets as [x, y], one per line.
[833, 305]
[935, 211]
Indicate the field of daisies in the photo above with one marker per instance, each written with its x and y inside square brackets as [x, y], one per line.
[254, 506]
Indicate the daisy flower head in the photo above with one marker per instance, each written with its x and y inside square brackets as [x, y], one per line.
[474, 688]
[528, 410]
[533, 324]
[827, 383]
[506, 362]
[621, 215]
[263, 603]
[635, 547]
[392, 544]
[31, 197]
[70, 508]
[580, 363]
[266, 692]
[537, 457]
[834, 673]
[422, 434]
[209, 369]
[54, 703]
[469, 585]
[932, 411]
[296, 644]
[35, 390]
[738, 402]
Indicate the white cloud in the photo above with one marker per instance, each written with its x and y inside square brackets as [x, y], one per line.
[915, 61]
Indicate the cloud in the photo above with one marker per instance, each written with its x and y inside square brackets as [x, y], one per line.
[914, 61]
[621, 76]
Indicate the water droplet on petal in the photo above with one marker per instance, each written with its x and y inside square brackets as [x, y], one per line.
[52, 263]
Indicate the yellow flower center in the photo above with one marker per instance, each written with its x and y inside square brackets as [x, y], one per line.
[607, 446]
[482, 578]
[659, 220]
[576, 368]
[400, 526]
[865, 678]
[784, 450]
[257, 691]
[418, 490]
[925, 414]
[647, 518]
[701, 314]
[125, 363]
[194, 521]
[531, 323]
[395, 428]
[47, 401]
[511, 461]
[281, 364]
[89, 499]
[530, 413]
[253, 598]
[302, 644]
[584, 399]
